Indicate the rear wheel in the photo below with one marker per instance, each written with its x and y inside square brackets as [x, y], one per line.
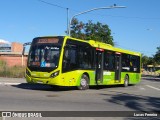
[84, 82]
[126, 81]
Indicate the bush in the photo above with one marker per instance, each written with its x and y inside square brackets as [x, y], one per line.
[15, 71]
[158, 72]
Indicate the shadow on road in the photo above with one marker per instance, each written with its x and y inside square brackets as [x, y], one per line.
[43, 87]
[135, 102]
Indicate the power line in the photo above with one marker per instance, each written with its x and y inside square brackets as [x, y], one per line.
[52, 4]
[125, 17]
[57, 5]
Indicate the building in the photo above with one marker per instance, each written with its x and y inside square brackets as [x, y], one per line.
[5, 46]
[11, 53]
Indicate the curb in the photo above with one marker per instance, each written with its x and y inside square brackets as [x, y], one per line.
[155, 78]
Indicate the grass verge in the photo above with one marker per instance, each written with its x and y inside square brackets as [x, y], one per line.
[14, 72]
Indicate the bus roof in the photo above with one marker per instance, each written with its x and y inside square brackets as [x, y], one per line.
[101, 45]
[105, 46]
[112, 48]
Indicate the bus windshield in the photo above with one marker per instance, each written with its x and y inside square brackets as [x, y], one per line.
[44, 56]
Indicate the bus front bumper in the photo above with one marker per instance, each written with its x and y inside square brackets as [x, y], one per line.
[49, 81]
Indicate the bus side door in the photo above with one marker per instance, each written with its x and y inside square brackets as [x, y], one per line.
[99, 65]
[117, 67]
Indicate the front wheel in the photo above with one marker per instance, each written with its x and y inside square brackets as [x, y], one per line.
[126, 81]
[84, 82]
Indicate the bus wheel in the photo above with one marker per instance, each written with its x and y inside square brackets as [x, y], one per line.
[84, 83]
[126, 81]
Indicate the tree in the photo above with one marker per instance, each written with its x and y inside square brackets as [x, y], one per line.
[148, 61]
[151, 61]
[91, 31]
[145, 60]
[155, 60]
[157, 56]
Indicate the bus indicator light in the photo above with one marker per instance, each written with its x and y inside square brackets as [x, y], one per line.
[99, 49]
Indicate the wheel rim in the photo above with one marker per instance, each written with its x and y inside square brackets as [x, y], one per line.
[83, 82]
[126, 81]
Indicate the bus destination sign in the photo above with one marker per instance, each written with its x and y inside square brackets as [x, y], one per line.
[48, 40]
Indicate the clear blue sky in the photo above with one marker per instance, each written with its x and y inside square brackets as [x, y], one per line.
[136, 27]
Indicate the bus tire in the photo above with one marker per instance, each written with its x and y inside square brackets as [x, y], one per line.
[126, 81]
[84, 82]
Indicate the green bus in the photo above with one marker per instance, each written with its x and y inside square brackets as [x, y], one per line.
[66, 61]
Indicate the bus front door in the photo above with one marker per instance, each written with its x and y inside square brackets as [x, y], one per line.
[117, 67]
[99, 66]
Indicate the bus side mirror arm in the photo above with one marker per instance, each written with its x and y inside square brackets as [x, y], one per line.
[25, 44]
[23, 52]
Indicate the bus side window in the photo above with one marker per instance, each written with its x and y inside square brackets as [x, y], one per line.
[69, 58]
[85, 56]
[130, 63]
[134, 63]
[77, 55]
[66, 61]
[109, 60]
[125, 62]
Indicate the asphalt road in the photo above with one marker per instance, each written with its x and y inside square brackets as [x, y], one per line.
[17, 95]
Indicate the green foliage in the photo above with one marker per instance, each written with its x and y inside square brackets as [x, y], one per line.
[14, 72]
[145, 60]
[91, 31]
[155, 60]
[157, 56]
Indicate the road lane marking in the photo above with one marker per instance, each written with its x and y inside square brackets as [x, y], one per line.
[1, 83]
[153, 87]
[141, 88]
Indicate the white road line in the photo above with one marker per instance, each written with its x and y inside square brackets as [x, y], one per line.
[153, 87]
[141, 88]
[9, 83]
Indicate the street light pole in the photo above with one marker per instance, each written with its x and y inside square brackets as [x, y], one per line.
[110, 7]
[68, 21]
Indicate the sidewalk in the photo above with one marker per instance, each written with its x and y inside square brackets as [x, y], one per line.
[11, 81]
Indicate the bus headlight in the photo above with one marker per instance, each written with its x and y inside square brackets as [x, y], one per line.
[28, 73]
[54, 74]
